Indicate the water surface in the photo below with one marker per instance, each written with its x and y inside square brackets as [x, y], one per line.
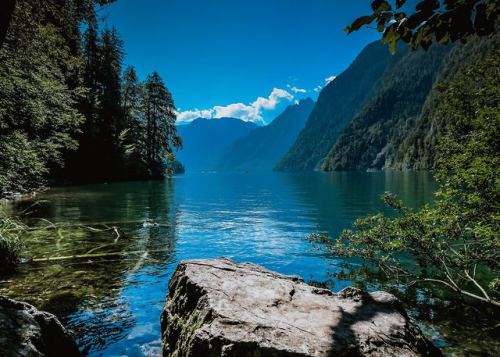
[112, 300]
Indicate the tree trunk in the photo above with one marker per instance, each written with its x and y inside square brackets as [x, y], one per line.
[6, 10]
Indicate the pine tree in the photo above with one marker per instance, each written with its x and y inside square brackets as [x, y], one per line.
[134, 134]
[161, 132]
[110, 120]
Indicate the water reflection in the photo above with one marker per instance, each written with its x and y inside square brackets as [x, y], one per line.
[112, 303]
[94, 296]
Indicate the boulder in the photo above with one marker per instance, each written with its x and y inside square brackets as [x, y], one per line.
[26, 331]
[222, 308]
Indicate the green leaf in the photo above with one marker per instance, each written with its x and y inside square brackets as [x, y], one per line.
[360, 21]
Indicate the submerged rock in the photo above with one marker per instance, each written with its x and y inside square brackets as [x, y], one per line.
[221, 308]
[26, 331]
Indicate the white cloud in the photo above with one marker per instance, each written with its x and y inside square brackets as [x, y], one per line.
[330, 79]
[247, 112]
[190, 115]
[295, 89]
[318, 88]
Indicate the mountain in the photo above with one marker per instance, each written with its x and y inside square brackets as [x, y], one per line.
[204, 141]
[261, 149]
[418, 149]
[395, 129]
[376, 132]
[337, 104]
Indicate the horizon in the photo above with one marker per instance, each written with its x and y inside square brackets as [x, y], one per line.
[275, 53]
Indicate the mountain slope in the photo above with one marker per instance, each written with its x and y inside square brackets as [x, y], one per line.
[264, 146]
[204, 141]
[377, 131]
[418, 149]
[337, 104]
[397, 128]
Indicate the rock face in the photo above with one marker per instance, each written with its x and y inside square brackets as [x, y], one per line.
[26, 331]
[221, 308]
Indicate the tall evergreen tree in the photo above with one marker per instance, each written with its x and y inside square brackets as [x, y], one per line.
[100, 152]
[110, 113]
[161, 132]
[134, 135]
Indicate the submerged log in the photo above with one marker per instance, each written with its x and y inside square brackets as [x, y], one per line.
[221, 308]
[26, 331]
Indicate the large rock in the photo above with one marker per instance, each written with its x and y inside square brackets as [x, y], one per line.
[221, 308]
[26, 331]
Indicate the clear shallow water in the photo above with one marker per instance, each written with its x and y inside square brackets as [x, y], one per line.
[113, 302]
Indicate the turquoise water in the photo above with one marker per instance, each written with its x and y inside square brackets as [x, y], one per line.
[113, 303]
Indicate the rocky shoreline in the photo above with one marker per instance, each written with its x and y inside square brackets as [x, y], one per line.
[27, 331]
[217, 307]
[222, 308]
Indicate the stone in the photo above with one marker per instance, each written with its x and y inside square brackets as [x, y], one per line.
[28, 332]
[221, 308]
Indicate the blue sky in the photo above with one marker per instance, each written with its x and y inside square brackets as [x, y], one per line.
[239, 58]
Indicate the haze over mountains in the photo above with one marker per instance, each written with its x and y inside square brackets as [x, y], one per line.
[262, 148]
[204, 141]
[378, 114]
[230, 144]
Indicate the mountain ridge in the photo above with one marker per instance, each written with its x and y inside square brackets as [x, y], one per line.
[337, 103]
[261, 149]
[205, 139]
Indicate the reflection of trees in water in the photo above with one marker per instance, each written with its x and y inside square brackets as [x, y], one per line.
[337, 198]
[85, 293]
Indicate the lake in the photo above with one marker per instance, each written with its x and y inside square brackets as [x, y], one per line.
[113, 298]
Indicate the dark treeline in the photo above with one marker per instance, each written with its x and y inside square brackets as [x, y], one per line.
[68, 110]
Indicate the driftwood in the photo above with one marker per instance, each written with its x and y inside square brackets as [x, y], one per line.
[95, 255]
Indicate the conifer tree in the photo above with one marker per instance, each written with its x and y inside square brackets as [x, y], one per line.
[161, 132]
[134, 134]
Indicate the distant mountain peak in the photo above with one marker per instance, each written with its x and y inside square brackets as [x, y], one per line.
[261, 149]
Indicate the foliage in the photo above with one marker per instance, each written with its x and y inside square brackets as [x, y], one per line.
[161, 132]
[454, 243]
[10, 243]
[38, 118]
[432, 21]
[418, 148]
[398, 127]
[61, 111]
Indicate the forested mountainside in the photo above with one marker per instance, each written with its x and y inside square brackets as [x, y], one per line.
[264, 146]
[418, 149]
[396, 129]
[377, 131]
[337, 104]
[68, 111]
[204, 141]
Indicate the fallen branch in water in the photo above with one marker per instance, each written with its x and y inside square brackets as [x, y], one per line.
[96, 255]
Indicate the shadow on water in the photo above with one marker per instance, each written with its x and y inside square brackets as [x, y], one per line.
[89, 294]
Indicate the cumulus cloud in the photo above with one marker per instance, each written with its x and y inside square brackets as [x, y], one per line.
[247, 112]
[190, 115]
[295, 89]
[330, 79]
